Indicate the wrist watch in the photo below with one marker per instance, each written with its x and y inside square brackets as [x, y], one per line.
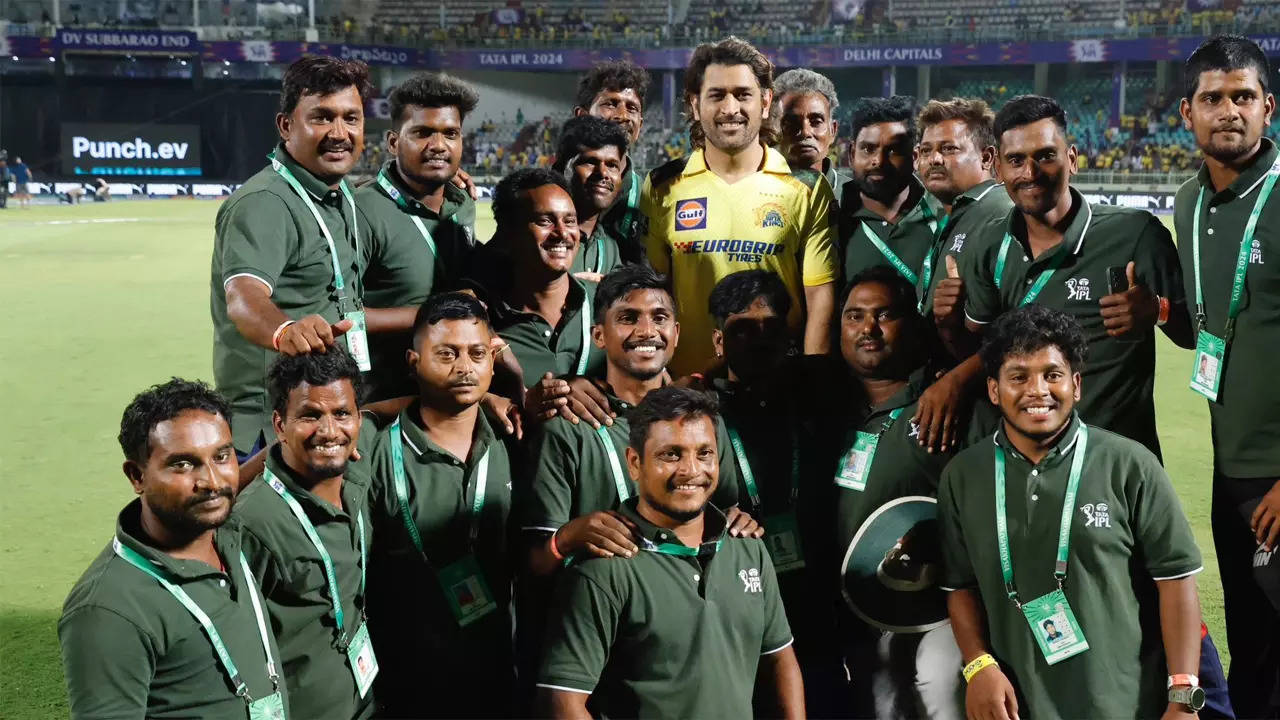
[1186, 690]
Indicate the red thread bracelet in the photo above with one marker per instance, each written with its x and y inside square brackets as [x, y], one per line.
[551, 545]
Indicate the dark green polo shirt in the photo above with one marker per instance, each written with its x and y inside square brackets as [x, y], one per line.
[979, 205]
[572, 475]
[292, 577]
[1246, 416]
[130, 649]
[618, 236]
[409, 617]
[911, 238]
[1128, 530]
[667, 636]
[265, 231]
[836, 178]
[1118, 373]
[541, 348]
[401, 270]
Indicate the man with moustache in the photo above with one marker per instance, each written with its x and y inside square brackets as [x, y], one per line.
[167, 621]
[886, 217]
[1056, 249]
[684, 628]
[441, 487]
[307, 530]
[805, 103]
[1080, 526]
[736, 204]
[593, 155]
[1228, 236]
[287, 244]
[615, 90]
[421, 223]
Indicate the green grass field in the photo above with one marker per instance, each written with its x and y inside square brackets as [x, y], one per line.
[102, 300]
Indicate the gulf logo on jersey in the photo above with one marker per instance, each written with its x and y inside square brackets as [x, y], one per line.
[691, 214]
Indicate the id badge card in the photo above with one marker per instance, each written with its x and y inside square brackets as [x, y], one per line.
[1206, 374]
[364, 664]
[1054, 627]
[468, 594]
[856, 463]
[358, 339]
[270, 707]
[782, 537]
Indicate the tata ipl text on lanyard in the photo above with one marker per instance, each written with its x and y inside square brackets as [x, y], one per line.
[1052, 622]
[398, 198]
[926, 270]
[270, 707]
[364, 664]
[782, 536]
[1211, 350]
[351, 309]
[463, 582]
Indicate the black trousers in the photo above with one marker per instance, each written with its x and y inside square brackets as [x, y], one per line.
[1252, 622]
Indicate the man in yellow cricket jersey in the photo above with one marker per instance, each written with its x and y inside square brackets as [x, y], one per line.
[735, 204]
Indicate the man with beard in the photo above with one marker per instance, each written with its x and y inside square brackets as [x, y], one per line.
[886, 217]
[805, 103]
[1228, 237]
[592, 156]
[287, 247]
[735, 204]
[615, 91]
[420, 221]
[440, 575]
[684, 628]
[307, 531]
[167, 621]
[524, 277]
[1081, 526]
[1114, 270]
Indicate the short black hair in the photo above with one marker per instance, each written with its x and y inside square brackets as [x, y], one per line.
[590, 133]
[506, 196]
[448, 306]
[873, 110]
[162, 402]
[314, 369]
[1026, 109]
[322, 75]
[664, 405]
[615, 76]
[901, 292]
[1049, 622]
[621, 283]
[1226, 53]
[1031, 328]
[736, 291]
[432, 90]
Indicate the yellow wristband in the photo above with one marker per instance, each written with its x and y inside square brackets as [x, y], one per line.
[980, 663]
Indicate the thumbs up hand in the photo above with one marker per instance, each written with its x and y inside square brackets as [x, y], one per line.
[948, 297]
[1134, 309]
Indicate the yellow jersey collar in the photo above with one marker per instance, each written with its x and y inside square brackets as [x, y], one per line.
[774, 162]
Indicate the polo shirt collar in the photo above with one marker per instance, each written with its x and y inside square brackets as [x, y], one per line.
[917, 382]
[314, 186]
[454, 196]
[829, 171]
[774, 163]
[504, 314]
[917, 201]
[425, 449]
[1062, 447]
[129, 533]
[1073, 237]
[974, 194]
[713, 531]
[1250, 178]
[350, 487]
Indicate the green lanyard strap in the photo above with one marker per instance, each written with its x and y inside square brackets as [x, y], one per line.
[1242, 259]
[890, 255]
[402, 492]
[625, 226]
[749, 478]
[677, 549]
[585, 353]
[134, 558]
[1045, 274]
[384, 181]
[338, 283]
[614, 465]
[330, 574]
[1064, 524]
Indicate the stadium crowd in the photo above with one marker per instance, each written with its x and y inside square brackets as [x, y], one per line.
[758, 432]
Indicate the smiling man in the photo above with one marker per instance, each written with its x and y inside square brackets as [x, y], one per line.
[421, 223]
[593, 156]
[1062, 521]
[736, 204]
[167, 620]
[287, 245]
[307, 533]
[691, 624]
